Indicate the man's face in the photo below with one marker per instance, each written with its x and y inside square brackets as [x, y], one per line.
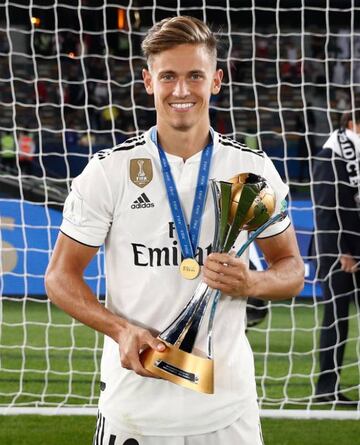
[182, 80]
[354, 127]
[357, 129]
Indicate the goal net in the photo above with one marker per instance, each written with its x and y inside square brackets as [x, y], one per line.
[70, 85]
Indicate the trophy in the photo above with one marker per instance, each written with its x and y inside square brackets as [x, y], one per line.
[245, 202]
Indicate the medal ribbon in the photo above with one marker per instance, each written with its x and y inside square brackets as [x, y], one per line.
[188, 238]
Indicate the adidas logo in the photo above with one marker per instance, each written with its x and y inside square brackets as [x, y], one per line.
[142, 202]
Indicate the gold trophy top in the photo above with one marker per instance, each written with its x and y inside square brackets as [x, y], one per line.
[264, 201]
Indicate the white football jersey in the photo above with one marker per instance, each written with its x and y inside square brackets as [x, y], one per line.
[120, 200]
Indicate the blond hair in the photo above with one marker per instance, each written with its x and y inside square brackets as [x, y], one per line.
[174, 31]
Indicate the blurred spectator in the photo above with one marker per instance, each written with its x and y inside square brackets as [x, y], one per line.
[343, 44]
[293, 56]
[44, 43]
[356, 66]
[121, 48]
[262, 48]
[291, 68]
[8, 152]
[87, 140]
[306, 143]
[337, 210]
[318, 73]
[317, 44]
[26, 151]
[98, 95]
[75, 89]
[311, 121]
[42, 91]
[285, 71]
[71, 136]
[101, 94]
[342, 100]
[98, 98]
[4, 43]
[108, 117]
[356, 63]
[338, 75]
[251, 140]
[302, 149]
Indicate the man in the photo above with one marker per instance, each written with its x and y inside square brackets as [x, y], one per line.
[336, 175]
[27, 148]
[121, 199]
[8, 151]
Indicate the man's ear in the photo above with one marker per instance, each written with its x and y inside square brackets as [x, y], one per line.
[147, 81]
[350, 125]
[216, 86]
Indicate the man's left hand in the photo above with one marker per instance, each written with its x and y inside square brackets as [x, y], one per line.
[228, 274]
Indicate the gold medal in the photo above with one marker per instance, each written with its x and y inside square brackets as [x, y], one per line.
[189, 268]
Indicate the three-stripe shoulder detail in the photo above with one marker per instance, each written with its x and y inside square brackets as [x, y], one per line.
[129, 144]
[227, 142]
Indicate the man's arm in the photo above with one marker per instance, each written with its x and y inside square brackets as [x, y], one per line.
[283, 279]
[67, 289]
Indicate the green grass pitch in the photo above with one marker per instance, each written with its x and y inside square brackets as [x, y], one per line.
[67, 430]
[46, 359]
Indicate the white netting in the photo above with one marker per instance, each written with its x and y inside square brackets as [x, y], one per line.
[70, 84]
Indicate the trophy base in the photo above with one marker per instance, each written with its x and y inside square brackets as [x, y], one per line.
[180, 367]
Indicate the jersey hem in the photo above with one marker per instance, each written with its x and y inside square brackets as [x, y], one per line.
[119, 428]
[276, 229]
[74, 239]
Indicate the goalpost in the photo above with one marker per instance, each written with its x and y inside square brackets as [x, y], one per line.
[70, 78]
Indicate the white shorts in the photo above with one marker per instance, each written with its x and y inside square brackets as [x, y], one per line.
[243, 432]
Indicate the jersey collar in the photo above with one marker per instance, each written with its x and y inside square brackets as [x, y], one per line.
[178, 159]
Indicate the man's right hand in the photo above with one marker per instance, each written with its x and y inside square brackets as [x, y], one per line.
[348, 264]
[132, 341]
[67, 289]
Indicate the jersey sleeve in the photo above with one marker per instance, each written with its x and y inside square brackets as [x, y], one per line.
[281, 190]
[88, 209]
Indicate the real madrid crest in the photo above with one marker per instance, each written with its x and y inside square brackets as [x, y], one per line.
[141, 172]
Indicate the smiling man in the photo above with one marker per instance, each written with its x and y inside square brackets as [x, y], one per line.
[137, 198]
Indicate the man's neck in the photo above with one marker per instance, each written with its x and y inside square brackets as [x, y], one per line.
[183, 143]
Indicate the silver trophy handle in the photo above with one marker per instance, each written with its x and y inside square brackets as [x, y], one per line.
[242, 249]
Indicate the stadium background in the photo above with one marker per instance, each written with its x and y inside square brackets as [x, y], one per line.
[70, 77]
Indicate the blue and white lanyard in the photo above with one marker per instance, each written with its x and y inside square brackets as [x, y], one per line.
[188, 238]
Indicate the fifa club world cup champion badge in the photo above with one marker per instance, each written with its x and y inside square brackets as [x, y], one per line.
[141, 172]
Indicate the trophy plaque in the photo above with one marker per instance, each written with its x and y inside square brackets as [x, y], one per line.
[245, 202]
